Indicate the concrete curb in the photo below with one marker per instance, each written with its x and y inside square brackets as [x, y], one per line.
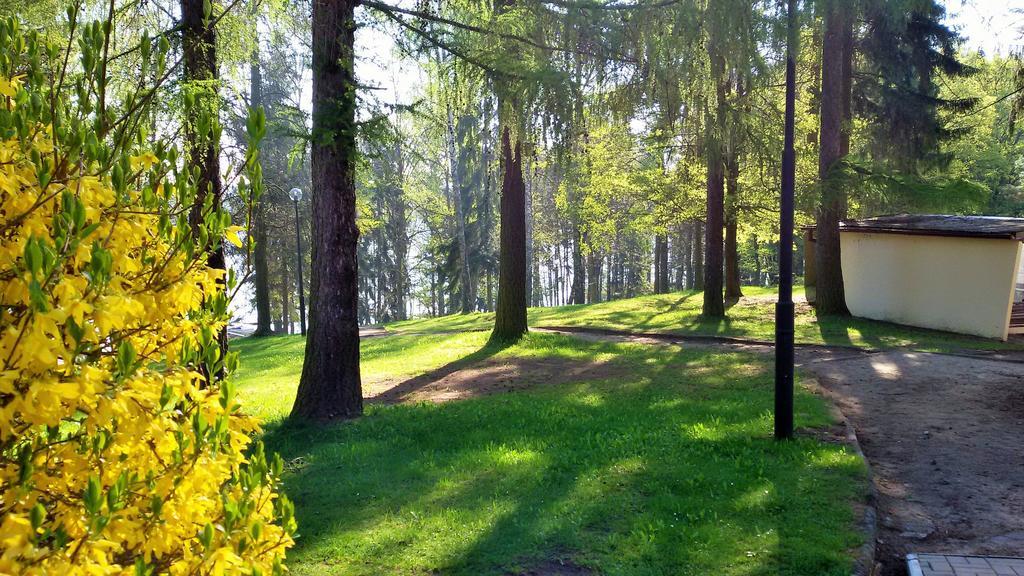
[864, 564]
[1008, 356]
[701, 338]
[913, 565]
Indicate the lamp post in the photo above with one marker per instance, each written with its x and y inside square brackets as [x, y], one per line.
[784, 307]
[296, 195]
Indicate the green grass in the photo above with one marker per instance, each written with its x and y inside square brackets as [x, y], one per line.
[752, 317]
[664, 465]
[271, 366]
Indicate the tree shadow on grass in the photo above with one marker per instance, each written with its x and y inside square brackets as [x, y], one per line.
[444, 324]
[710, 326]
[674, 307]
[405, 389]
[835, 329]
[669, 470]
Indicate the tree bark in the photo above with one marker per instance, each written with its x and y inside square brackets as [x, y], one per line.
[660, 264]
[714, 304]
[757, 261]
[608, 279]
[830, 296]
[534, 284]
[510, 316]
[487, 206]
[594, 265]
[686, 256]
[458, 195]
[733, 291]
[330, 387]
[697, 262]
[199, 54]
[490, 290]
[675, 271]
[400, 240]
[579, 269]
[286, 298]
[848, 50]
[261, 268]
[560, 275]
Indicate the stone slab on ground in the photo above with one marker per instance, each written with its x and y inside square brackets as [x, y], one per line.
[953, 565]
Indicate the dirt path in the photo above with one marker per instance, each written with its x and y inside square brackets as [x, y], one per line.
[945, 439]
[472, 377]
[944, 435]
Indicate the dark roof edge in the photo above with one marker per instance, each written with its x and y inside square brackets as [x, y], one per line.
[943, 233]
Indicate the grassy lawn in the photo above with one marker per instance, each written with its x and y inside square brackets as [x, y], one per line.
[662, 463]
[752, 317]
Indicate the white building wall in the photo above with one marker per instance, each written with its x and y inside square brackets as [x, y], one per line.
[963, 285]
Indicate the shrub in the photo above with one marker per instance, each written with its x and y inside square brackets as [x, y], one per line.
[115, 453]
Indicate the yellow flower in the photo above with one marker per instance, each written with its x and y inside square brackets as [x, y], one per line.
[145, 160]
[9, 87]
[111, 430]
[232, 235]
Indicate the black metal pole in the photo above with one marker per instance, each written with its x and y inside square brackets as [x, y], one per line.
[298, 253]
[784, 307]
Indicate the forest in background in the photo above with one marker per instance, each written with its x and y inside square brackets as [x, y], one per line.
[618, 114]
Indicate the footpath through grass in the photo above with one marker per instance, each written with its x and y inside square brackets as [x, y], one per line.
[663, 465]
[753, 317]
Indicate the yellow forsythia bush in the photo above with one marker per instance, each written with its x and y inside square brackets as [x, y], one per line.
[116, 454]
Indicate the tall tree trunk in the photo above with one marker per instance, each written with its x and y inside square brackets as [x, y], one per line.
[458, 194]
[656, 281]
[534, 284]
[848, 50]
[579, 269]
[714, 305]
[535, 281]
[490, 290]
[441, 279]
[697, 263]
[594, 262]
[510, 316]
[286, 298]
[378, 277]
[199, 53]
[330, 387]
[661, 264]
[433, 294]
[757, 261]
[830, 295]
[401, 238]
[686, 256]
[487, 205]
[733, 281]
[261, 269]
[608, 278]
[733, 291]
[561, 274]
[552, 283]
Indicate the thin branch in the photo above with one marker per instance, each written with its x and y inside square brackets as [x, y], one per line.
[481, 30]
[611, 5]
[448, 47]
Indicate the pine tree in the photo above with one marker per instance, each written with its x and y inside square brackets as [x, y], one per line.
[330, 386]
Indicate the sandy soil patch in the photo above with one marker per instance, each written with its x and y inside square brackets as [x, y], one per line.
[944, 437]
[460, 380]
